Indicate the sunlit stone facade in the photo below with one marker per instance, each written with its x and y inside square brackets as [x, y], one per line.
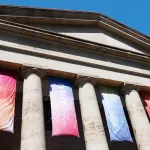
[91, 50]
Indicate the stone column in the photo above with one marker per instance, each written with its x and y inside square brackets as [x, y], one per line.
[138, 117]
[33, 132]
[94, 133]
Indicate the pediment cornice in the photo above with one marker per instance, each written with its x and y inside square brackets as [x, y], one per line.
[29, 15]
[48, 36]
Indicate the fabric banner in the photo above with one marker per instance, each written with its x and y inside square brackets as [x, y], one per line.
[145, 96]
[7, 100]
[64, 121]
[115, 117]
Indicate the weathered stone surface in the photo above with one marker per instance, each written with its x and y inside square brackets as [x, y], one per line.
[32, 133]
[94, 133]
[138, 117]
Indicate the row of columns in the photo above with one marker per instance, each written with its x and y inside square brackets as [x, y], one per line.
[33, 133]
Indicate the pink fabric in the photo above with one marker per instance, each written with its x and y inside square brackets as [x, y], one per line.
[64, 121]
[146, 98]
[7, 100]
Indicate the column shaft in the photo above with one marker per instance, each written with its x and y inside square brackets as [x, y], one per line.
[32, 135]
[92, 123]
[139, 120]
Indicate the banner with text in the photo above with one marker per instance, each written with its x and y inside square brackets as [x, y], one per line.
[145, 96]
[64, 121]
[7, 100]
[115, 117]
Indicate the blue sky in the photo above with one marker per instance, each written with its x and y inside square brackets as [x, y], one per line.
[134, 13]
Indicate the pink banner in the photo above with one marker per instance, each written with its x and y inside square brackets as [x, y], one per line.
[64, 120]
[7, 100]
[146, 98]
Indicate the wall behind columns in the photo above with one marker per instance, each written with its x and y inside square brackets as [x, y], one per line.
[64, 142]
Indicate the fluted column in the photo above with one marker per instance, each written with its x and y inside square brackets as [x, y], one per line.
[33, 132]
[138, 117]
[94, 133]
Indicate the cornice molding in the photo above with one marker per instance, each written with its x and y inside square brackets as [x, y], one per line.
[37, 33]
[31, 32]
[67, 17]
[125, 32]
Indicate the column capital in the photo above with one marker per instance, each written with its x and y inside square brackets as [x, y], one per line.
[26, 71]
[127, 87]
[82, 79]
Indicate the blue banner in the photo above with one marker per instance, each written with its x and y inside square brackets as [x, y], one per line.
[64, 121]
[116, 120]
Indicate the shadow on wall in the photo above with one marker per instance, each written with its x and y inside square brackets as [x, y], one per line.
[116, 145]
[6, 140]
[62, 142]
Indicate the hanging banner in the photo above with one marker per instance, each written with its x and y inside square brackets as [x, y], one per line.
[64, 120]
[145, 96]
[116, 120]
[7, 100]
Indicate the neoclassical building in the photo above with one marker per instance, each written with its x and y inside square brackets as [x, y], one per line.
[90, 49]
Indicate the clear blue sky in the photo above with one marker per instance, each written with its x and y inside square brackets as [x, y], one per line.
[134, 13]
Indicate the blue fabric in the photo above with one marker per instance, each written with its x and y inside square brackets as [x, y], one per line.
[116, 121]
[64, 121]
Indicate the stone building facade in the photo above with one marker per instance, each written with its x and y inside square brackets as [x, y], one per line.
[88, 48]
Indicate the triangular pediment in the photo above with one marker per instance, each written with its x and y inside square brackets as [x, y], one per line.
[89, 26]
[93, 34]
[100, 39]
